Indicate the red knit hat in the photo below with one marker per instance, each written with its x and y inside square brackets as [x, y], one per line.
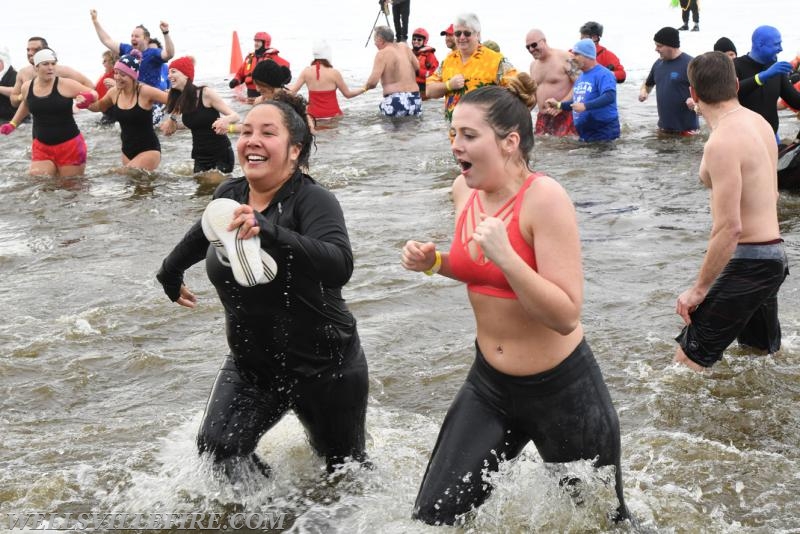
[185, 65]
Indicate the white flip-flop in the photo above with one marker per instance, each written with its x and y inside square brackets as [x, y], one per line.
[250, 264]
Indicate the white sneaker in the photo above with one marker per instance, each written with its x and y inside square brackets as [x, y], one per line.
[250, 264]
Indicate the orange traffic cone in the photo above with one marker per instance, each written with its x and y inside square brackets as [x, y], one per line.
[236, 54]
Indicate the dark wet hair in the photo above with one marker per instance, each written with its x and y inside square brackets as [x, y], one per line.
[293, 110]
[592, 28]
[508, 109]
[713, 77]
[323, 62]
[184, 101]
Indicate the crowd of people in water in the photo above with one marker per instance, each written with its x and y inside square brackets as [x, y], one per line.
[276, 246]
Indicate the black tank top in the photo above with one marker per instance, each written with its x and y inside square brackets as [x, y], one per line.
[205, 142]
[136, 128]
[53, 122]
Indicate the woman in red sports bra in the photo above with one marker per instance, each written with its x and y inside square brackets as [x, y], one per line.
[323, 81]
[517, 248]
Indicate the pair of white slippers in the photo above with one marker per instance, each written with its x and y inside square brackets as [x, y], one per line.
[251, 265]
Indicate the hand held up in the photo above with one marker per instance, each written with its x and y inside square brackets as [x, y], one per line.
[778, 68]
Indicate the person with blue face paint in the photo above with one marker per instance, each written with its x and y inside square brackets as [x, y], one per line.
[762, 78]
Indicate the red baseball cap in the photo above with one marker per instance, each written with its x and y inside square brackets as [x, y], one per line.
[448, 31]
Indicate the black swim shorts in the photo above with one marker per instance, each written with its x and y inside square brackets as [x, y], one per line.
[742, 304]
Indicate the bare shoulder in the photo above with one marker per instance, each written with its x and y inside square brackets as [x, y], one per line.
[547, 196]
[25, 73]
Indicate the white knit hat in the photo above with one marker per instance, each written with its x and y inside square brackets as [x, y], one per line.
[321, 50]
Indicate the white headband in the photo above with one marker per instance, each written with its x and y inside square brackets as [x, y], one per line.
[45, 54]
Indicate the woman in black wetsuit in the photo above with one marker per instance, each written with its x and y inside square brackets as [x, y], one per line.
[131, 104]
[208, 117]
[293, 342]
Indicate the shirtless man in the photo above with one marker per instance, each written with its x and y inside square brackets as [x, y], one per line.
[554, 74]
[396, 68]
[28, 72]
[735, 294]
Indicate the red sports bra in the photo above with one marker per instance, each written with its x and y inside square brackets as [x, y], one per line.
[481, 275]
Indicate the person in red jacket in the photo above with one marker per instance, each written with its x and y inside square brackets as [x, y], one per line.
[425, 55]
[106, 81]
[263, 50]
[605, 57]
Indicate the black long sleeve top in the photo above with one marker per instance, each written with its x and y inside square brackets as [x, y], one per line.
[299, 321]
[763, 99]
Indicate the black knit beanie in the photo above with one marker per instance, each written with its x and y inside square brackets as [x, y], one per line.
[668, 36]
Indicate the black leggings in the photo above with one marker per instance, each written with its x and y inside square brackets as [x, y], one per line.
[243, 406]
[400, 15]
[566, 411]
[686, 7]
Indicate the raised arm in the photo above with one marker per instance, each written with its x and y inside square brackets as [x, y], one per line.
[168, 52]
[106, 39]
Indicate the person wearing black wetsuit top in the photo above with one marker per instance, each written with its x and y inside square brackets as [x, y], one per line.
[293, 342]
[763, 79]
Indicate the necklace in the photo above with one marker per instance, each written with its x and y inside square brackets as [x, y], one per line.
[737, 108]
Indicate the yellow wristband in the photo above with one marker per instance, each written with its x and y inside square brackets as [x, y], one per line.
[365, 88]
[447, 85]
[758, 80]
[12, 123]
[437, 264]
[231, 128]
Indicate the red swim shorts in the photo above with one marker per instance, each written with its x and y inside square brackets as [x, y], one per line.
[559, 125]
[72, 152]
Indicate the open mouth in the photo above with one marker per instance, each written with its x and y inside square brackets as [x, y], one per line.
[465, 165]
[252, 158]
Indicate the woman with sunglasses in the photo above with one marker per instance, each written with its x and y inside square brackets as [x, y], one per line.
[468, 67]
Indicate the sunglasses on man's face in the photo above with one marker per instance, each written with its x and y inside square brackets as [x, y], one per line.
[465, 33]
[533, 46]
[417, 38]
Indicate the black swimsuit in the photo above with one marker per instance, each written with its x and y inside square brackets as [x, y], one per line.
[136, 128]
[209, 149]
